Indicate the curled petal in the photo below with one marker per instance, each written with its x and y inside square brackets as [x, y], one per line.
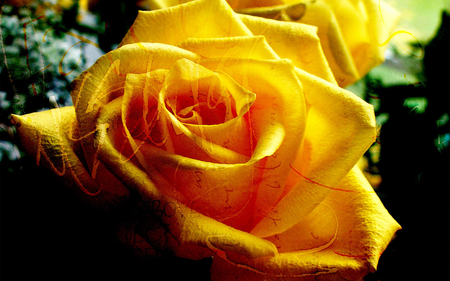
[340, 128]
[294, 41]
[105, 81]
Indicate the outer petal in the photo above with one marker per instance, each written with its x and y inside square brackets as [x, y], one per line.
[197, 19]
[297, 42]
[242, 47]
[342, 239]
[235, 4]
[340, 128]
[162, 4]
[53, 139]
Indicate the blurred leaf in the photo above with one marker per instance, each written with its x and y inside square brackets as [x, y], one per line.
[417, 104]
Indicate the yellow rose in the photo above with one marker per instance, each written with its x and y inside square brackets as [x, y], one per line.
[353, 34]
[232, 151]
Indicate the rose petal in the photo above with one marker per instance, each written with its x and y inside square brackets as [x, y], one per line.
[340, 128]
[194, 15]
[162, 4]
[187, 233]
[294, 41]
[243, 47]
[53, 139]
[235, 4]
[363, 30]
[336, 241]
[278, 119]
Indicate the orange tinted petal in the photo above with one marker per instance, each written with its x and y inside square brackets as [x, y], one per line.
[277, 122]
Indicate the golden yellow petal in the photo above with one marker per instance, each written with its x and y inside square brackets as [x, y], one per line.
[380, 22]
[187, 233]
[342, 239]
[340, 128]
[278, 119]
[351, 218]
[297, 42]
[197, 19]
[162, 4]
[242, 47]
[52, 138]
[355, 33]
[235, 4]
[238, 4]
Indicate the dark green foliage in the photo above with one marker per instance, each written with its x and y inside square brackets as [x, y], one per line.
[414, 166]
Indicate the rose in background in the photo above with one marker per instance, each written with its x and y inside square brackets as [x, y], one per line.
[230, 150]
[353, 34]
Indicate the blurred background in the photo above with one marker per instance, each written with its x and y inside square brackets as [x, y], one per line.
[46, 44]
